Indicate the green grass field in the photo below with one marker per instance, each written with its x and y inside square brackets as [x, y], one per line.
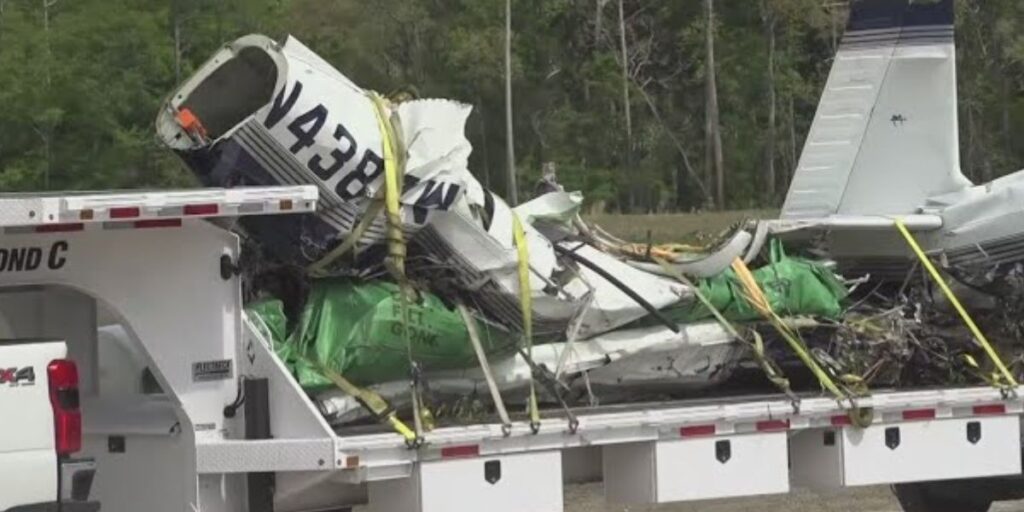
[676, 227]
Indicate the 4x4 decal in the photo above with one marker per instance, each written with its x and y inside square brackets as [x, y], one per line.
[18, 376]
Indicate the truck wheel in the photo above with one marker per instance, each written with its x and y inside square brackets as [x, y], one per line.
[922, 497]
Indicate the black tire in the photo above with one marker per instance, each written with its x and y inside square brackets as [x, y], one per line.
[922, 497]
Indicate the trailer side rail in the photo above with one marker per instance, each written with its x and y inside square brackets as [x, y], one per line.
[382, 453]
[48, 211]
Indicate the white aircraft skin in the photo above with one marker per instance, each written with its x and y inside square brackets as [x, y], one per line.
[884, 145]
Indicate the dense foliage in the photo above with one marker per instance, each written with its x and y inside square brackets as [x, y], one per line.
[81, 81]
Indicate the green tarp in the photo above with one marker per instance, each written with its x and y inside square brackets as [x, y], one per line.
[356, 330]
[794, 287]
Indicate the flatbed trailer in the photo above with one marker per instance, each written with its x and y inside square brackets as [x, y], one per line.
[186, 407]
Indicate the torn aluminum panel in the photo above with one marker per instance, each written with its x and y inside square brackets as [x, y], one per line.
[982, 225]
[700, 356]
[259, 113]
[555, 207]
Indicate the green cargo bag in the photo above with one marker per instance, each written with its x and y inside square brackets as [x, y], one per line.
[794, 287]
[356, 330]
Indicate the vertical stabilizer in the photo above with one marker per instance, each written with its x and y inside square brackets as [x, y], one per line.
[884, 138]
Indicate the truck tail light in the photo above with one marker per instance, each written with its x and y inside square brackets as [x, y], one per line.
[67, 418]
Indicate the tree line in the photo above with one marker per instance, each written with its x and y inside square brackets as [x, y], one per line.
[644, 105]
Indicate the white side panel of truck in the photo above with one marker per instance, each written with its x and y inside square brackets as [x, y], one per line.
[149, 263]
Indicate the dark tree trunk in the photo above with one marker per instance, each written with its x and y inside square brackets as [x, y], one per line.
[625, 105]
[513, 191]
[771, 187]
[714, 161]
[794, 158]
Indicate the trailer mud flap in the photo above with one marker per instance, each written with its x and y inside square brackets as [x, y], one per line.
[260, 486]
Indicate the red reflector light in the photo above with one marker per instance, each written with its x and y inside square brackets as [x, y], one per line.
[919, 414]
[772, 425]
[67, 418]
[454, 452]
[62, 373]
[158, 223]
[697, 431]
[124, 213]
[60, 228]
[841, 421]
[201, 209]
[989, 410]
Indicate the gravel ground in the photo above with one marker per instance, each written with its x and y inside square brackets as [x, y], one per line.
[589, 498]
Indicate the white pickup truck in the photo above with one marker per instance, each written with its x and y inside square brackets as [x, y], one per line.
[185, 407]
[41, 430]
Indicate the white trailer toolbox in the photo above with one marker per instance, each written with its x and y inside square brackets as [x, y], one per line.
[697, 467]
[919, 447]
[525, 482]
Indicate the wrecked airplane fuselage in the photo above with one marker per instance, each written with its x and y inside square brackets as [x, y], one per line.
[259, 113]
[263, 113]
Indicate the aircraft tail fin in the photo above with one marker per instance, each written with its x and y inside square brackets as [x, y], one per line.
[885, 136]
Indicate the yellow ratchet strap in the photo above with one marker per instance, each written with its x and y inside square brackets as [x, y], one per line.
[526, 304]
[393, 165]
[392, 192]
[371, 401]
[770, 368]
[757, 299]
[392, 189]
[1009, 381]
[485, 367]
[318, 268]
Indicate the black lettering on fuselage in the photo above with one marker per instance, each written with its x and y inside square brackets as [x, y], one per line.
[282, 106]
